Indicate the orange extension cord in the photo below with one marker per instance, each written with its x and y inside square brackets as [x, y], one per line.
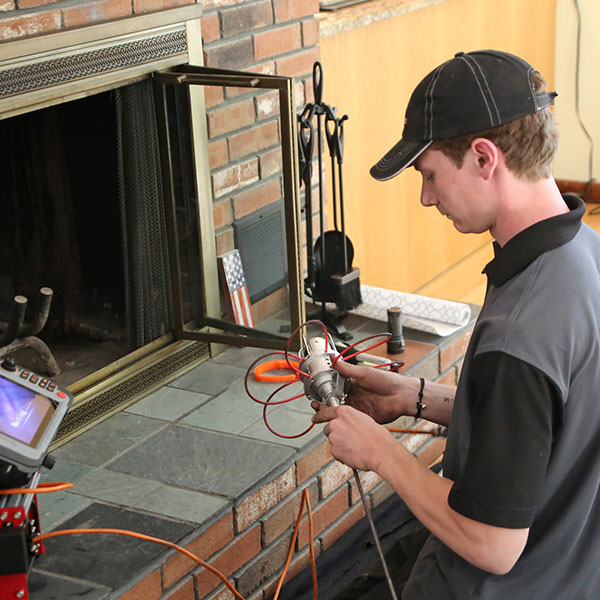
[45, 488]
[54, 487]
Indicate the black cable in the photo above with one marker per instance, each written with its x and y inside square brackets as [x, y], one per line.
[577, 110]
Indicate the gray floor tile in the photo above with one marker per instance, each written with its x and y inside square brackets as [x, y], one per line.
[65, 470]
[286, 422]
[108, 439]
[241, 357]
[181, 504]
[105, 559]
[209, 378]
[201, 460]
[50, 587]
[168, 404]
[58, 506]
[111, 486]
[229, 412]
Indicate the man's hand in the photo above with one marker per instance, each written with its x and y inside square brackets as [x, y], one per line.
[374, 392]
[354, 437]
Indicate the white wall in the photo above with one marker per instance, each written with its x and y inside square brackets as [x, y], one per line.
[572, 161]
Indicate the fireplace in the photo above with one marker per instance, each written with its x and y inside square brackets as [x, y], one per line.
[111, 203]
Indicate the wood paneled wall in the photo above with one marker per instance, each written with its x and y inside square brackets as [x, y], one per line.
[369, 74]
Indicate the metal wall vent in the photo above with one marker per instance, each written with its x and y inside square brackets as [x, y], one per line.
[260, 238]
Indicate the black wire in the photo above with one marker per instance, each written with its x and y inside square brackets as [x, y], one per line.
[577, 110]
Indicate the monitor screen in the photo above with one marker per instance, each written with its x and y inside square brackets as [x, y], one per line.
[24, 414]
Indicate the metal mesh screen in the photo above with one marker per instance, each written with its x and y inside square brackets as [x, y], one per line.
[146, 265]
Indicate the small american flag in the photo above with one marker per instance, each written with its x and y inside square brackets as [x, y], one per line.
[232, 276]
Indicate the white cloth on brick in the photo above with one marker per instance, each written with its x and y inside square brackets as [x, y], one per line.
[441, 317]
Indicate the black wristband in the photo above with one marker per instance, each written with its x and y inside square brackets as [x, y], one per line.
[420, 405]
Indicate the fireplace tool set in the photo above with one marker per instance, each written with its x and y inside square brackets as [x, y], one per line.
[330, 274]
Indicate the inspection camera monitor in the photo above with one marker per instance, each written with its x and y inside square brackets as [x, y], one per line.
[31, 410]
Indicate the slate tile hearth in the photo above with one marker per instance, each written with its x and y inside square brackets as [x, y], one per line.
[168, 466]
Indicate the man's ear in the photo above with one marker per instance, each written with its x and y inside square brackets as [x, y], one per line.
[486, 156]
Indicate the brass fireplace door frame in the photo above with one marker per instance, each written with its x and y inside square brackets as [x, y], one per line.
[208, 326]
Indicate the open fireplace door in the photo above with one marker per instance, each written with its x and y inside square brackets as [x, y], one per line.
[261, 226]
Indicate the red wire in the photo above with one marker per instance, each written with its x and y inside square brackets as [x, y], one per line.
[341, 355]
[287, 346]
[266, 405]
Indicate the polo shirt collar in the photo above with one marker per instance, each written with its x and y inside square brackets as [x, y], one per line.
[532, 242]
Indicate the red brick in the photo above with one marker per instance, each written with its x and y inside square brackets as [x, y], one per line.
[208, 4]
[277, 41]
[94, 12]
[256, 505]
[243, 18]
[257, 197]
[222, 213]
[204, 546]
[333, 477]
[31, 24]
[145, 6]
[265, 68]
[235, 177]
[225, 242]
[147, 589]
[368, 480]
[32, 3]
[310, 32]
[253, 140]
[313, 461]
[299, 562]
[270, 163]
[243, 548]
[288, 10]
[454, 351]
[213, 95]
[267, 105]
[323, 515]
[183, 591]
[231, 117]
[210, 27]
[284, 515]
[229, 54]
[298, 64]
[299, 92]
[342, 525]
[270, 304]
[448, 378]
[218, 155]
[431, 452]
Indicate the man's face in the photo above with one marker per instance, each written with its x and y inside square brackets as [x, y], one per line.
[456, 192]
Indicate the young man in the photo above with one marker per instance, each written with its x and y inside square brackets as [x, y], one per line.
[515, 514]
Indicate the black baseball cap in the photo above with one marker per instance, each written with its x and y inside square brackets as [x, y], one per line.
[468, 93]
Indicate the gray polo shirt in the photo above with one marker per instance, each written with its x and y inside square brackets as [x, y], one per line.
[524, 442]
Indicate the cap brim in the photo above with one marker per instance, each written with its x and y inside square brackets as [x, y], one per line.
[402, 155]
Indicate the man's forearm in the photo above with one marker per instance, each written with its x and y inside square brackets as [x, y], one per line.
[437, 397]
[494, 549]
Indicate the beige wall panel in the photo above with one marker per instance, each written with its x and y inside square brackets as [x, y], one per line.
[369, 73]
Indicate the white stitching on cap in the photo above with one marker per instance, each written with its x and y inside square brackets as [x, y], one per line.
[482, 90]
[428, 94]
[530, 73]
